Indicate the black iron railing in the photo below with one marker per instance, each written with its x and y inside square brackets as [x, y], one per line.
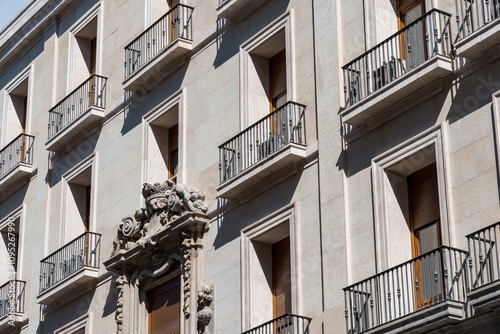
[426, 37]
[285, 125]
[12, 297]
[285, 324]
[484, 262]
[431, 278]
[176, 23]
[475, 14]
[84, 251]
[91, 93]
[20, 150]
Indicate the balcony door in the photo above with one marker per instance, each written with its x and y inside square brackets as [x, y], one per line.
[282, 278]
[164, 308]
[413, 46]
[426, 235]
[175, 21]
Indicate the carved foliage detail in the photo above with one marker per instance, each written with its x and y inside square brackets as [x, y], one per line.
[205, 313]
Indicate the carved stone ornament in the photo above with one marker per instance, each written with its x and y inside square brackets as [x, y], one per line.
[205, 313]
[165, 203]
[157, 240]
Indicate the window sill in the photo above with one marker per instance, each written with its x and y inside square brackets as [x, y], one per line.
[288, 155]
[479, 41]
[67, 285]
[63, 137]
[148, 74]
[397, 91]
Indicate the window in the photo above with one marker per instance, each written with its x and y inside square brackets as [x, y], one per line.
[78, 201]
[162, 140]
[84, 50]
[270, 287]
[410, 200]
[164, 307]
[266, 81]
[10, 248]
[16, 108]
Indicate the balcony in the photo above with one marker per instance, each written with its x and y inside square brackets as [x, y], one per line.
[16, 161]
[11, 304]
[417, 296]
[163, 42]
[484, 268]
[230, 9]
[478, 26]
[287, 323]
[409, 60]
[76, 112]
[276, 141]
[69, 267]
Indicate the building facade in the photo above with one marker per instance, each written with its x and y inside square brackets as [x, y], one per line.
[236, 166]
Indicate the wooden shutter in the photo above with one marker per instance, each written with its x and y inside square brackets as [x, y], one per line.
[173, 150]
[424, 196]
[93, 55]
[165, 308]
[282, 278]
[277, 77]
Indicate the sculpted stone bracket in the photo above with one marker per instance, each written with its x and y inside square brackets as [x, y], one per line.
[159, 239]
[205, 313]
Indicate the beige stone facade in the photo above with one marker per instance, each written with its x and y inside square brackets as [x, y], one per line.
[150, 142]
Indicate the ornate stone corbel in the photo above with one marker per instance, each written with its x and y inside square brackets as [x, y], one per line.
[205, 313]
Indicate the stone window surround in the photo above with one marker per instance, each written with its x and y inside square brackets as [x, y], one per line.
[26, 74]
[179, 99]
[83, 322]
[89, 162]
[380, 165]
[74, 30]
[17, 214]
[286, 215]
[285, 22]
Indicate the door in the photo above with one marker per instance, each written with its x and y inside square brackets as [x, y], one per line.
[173, 151]
[277, 98]
[23, 128]
[426, 235]
[86, 226]
[413, 46]
[92, 67]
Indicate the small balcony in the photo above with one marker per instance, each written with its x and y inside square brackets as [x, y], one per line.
[422, 294]
[230, 9]
[484, 268]
[76, 112]
[16, 161]
[276, 141]
[69, 267]
[164, 41]
[11, 304]
[287, 323]
[478, 26]
[409, 60]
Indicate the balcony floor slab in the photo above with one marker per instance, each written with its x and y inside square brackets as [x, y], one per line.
[479, 41]
[289, 154]
[9, 321]
[16, 175]
[82, 122]
[230, 9]
[396, 91]
[485, 298]
[67, 285]
[150, 70]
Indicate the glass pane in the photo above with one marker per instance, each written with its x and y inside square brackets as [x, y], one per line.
[428, 238]
[412, 15]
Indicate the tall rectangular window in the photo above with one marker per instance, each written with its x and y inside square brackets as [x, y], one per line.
[164, 308]
[282, 279]
[173, 150]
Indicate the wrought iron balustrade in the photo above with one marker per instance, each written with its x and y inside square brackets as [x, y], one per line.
[475, 14]
[285, 324]
[81, 252]
[426, 37]
[12, 297]
[285, 125]
[19, 150]
[175, 24]
[484, 262]
[426, 280]
[91, 93]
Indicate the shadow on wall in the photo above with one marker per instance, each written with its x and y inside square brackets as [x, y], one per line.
[137, 105]
[228, 42]
[230, 223]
